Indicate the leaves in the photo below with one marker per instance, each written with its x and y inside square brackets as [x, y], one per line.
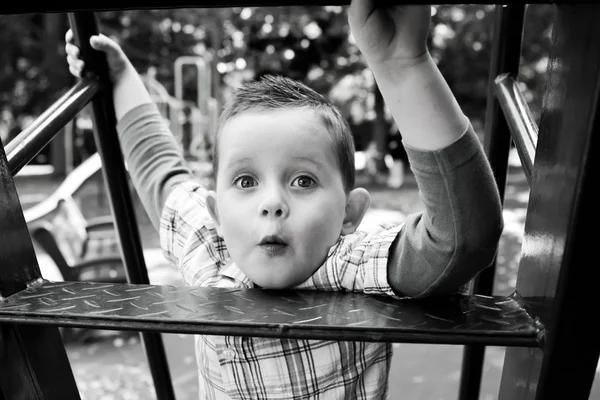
[309, 43]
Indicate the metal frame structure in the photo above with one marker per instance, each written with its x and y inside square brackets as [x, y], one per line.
[542, 324]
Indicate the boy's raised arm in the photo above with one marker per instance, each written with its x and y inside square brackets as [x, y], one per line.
[457, 234]
[394, 43]
[153, 157]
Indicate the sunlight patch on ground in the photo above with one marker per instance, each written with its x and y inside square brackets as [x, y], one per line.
[377, 216]
[514, 221]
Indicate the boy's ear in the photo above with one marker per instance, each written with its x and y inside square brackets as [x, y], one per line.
[356, 207]
[213, 210]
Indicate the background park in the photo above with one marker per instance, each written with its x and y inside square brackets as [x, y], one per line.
[235, 44]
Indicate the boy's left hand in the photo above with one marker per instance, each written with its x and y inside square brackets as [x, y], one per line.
[389, 33]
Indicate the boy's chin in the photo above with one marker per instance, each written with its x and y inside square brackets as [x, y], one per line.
[273, 285]
[276, 284]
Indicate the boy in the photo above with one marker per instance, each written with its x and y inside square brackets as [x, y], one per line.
[285, 212]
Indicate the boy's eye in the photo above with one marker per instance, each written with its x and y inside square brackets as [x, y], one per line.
[304, 181]
[245, 182]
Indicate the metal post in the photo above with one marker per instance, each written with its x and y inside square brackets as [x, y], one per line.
[25, 350]
[84, 25]
[558, 274]
[506, 50]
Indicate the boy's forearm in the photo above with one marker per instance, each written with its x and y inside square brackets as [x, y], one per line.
[423, 106]
[129, 92]
[154, 159]
[457, 235]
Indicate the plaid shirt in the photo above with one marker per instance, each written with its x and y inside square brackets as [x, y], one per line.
[233, 367]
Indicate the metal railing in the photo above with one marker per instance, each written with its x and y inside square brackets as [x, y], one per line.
[523, 128]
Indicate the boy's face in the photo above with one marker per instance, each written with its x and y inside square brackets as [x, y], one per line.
[280, 201]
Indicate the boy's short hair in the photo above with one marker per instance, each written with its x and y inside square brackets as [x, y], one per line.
[272, 92]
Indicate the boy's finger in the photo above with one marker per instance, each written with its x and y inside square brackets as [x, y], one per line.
[75, 71]
[100, 42]
[72, 50]
[69, 36]
[76, 62]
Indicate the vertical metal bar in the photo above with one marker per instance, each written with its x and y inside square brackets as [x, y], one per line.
[18, 263]
[25, 350]
[84, 25]
[35, 364]
[506, 51]
[558, 274]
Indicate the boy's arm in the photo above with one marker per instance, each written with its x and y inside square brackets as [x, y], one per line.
[153, 157]
[457, 234]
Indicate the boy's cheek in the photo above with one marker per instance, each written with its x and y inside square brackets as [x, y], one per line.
[323, 230]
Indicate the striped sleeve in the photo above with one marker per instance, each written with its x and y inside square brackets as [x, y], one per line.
[188, 236]
[357, 263]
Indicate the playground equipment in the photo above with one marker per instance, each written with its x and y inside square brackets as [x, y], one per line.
[192, 123]
[81, 249]
[543, 324]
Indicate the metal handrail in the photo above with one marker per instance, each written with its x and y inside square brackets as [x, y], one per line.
[523, 128]
[27, 144]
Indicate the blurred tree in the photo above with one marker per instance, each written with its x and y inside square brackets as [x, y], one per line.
[461, 42]
[312, 44]
[33, 72]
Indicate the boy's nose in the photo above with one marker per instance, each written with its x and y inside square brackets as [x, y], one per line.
[273, 206]
[274, 212]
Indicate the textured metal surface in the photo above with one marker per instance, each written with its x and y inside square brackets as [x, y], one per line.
[335, 315]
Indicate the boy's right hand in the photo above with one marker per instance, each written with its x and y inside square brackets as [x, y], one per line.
[116, 58]
[385, 34]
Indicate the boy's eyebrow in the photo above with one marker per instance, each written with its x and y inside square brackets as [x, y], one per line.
[309, 160]
[245, 160]
[239, 161]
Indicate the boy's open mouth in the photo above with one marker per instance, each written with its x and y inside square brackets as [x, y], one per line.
[273, 245]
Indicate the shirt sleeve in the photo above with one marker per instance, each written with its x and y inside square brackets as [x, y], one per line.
[442, 248]
[188, 236]
[357, 263]
[154, 159]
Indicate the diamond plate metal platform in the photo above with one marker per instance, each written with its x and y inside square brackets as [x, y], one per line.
[255, 312]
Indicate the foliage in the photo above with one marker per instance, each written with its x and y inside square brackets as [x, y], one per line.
[312, 44]
[30, 78]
